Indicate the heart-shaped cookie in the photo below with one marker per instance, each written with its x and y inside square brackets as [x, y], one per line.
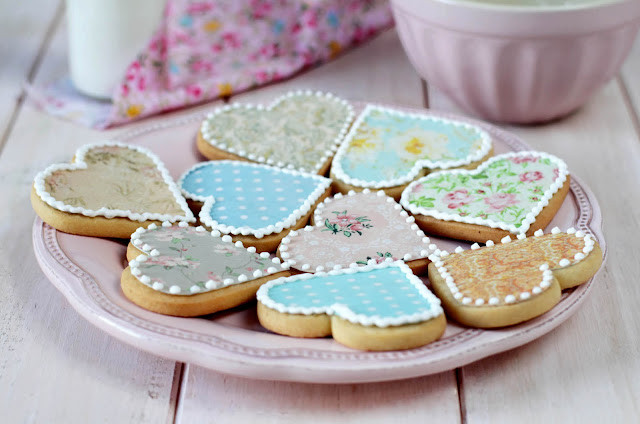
[300, 130]
[515, 193]
[514, 281]
[356, 229]
[108, 191]
[386, 148]
[187, 271]
[375, 307]
[256, 204]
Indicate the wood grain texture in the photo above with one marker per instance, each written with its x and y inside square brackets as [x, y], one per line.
[25, 29]
[208, 397]
[581, 372]
[54, 365]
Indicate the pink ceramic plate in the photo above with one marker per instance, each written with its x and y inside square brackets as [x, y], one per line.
[87, 271]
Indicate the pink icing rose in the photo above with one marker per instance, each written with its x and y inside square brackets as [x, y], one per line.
[356, 227]
[497, 202]
[519, 160]
[416, 188]
[531, 176]
[556, 173]
[457, 198]
[344, 220]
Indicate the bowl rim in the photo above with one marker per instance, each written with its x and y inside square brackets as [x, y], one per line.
[518, 8]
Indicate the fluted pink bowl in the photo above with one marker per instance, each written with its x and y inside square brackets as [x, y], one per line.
[519, 64]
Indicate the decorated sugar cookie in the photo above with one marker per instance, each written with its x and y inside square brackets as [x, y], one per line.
[375, 307]
[255, 204]
[513, 193]
[187, 271]
[387, 149]
[300, 130]
[515, 280]
[109, 190]
[354, 230]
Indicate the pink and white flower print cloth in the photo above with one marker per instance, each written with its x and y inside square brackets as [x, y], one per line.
[209, 49]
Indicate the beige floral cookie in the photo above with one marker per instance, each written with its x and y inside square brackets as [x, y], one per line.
[515, 280]
[187, 271]
[109, 190]
[300, 130]
[374, 307]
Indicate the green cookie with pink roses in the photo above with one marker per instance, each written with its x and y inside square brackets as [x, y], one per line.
[513, 194]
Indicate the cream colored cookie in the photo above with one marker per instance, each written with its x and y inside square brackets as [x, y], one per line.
[354, 230]
[375, 307]
[300, 130]
[386, 149]
[255, 204]
[187, 271]
[514, 281]
[510, 194]
[109, 190]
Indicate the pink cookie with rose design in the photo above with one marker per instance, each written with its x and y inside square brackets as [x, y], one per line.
[354, 230]
[510, 194]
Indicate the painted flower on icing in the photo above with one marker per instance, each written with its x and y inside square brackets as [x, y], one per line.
[531, 176]
[498, 201]
[379, 258]
[457, 199]
[521, 159]
[346, 224]
[225, 249]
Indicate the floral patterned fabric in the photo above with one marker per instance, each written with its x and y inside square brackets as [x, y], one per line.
[204, 50]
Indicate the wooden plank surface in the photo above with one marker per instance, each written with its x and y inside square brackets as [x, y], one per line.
[582, 371]
[378, 71]
[24, 33]
[54, 365]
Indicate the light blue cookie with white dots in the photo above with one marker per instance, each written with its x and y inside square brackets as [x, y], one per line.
[255, 204]
[375, 307]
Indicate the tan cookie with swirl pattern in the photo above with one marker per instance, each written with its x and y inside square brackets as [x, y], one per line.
[514, 281]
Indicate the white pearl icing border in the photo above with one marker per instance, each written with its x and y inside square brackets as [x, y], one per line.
[429, 247]
[512, 298]
[529, 218]
[343, 311]
[210, 284]
[79, 163]
[338, 172]
[208, 201]
[207, 136]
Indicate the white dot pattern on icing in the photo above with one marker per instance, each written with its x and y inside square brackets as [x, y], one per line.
[277, 210]
[355, 295]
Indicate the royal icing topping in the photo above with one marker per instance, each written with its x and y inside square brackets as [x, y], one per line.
[185, 260]
[508, 191]
[113, 179]
[381, 295]
[512, 271]
[299, 130]
[356, 228]
[247, 198]
[387, 147]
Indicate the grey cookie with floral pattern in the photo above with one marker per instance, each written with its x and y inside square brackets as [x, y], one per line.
[188, 271]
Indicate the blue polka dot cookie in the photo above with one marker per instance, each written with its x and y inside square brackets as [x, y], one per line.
[255, 204]
[374, 307]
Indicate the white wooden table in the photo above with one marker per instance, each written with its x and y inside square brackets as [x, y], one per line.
[56, 367]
